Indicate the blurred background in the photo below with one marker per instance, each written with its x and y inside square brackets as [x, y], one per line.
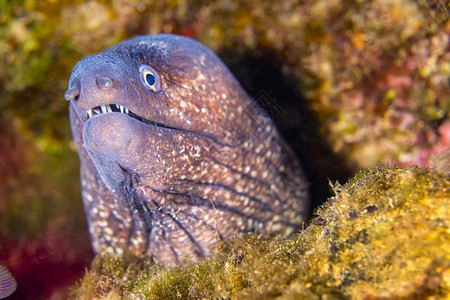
[351, 84]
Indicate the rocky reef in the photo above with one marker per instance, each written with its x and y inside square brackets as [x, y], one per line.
[350, 84]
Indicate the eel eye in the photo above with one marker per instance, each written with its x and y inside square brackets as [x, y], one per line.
[149, 78]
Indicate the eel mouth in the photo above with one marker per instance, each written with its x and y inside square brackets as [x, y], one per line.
[117, 108]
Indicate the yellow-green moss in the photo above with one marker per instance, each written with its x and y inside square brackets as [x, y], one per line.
[385, 234]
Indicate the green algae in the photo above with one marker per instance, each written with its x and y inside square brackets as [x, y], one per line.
[385, 234]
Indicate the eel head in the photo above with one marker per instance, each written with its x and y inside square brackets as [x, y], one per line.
[174, 155]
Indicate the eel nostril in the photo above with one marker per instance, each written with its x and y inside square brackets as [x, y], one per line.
[73, 93]
[104, 82]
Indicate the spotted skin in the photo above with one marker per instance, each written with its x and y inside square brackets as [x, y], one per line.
[196, 161]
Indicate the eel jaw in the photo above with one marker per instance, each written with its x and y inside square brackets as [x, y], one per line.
[117, 108]
[104, 109]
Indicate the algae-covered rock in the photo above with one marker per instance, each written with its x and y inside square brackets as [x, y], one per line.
[385, 234]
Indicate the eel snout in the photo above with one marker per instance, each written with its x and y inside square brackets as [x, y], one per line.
[97, 92]
[98, 88]
[90, 96]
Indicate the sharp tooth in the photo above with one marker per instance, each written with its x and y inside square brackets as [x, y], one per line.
[121, 108]
[103, 108]
[127, 111]
[89, 113]
[108, 108]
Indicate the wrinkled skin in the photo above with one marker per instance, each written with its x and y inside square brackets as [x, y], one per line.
[194, 163]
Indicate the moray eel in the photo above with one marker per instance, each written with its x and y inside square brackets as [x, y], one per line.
[174, 154]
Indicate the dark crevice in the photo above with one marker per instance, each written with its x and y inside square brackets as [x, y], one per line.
[260, 73]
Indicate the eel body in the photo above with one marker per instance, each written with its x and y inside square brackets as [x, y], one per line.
[174, 155]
